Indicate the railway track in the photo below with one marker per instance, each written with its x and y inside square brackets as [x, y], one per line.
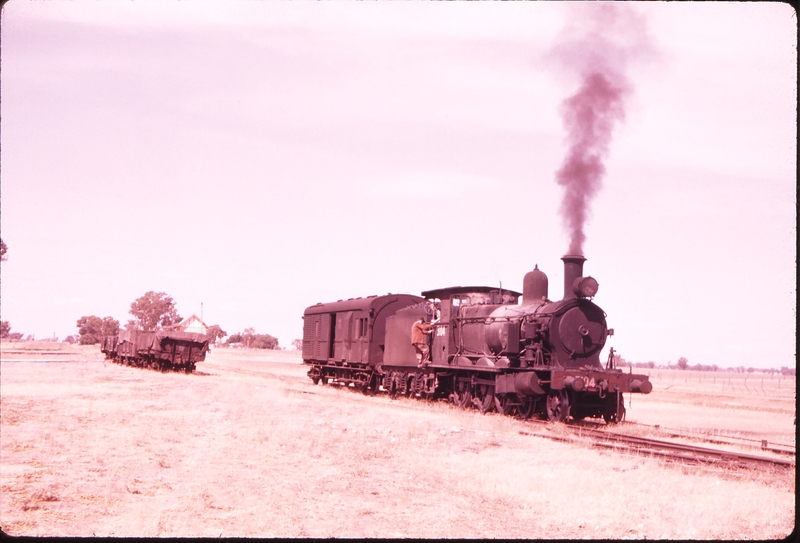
[659, 448]
[668, 450]
[724, 439]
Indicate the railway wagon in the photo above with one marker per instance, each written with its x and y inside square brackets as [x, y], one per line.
[161, 350]
[344, 341]
[490, 349]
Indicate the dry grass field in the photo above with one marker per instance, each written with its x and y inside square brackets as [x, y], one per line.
[248, 446]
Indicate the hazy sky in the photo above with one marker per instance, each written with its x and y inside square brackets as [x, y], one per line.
[260, 157]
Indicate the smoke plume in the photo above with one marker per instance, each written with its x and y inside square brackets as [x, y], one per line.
[595, 45]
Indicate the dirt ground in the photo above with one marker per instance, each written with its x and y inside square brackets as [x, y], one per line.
[248, 446]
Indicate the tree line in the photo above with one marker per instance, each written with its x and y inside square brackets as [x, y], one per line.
[683, 364]
[151, 311]
[157, 311]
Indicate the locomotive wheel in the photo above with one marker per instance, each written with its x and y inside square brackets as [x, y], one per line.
[610, 414]
[156, 366]
[461, 394]
[557, 405]
[525, 409]
[503, 404]
[483, 398]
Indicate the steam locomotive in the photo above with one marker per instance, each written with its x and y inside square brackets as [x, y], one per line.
[489, 349]
[161, 350]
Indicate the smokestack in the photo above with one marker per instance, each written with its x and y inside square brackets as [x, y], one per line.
[575, 284]
[573, 269]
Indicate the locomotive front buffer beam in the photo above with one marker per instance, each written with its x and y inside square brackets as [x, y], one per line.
[600, 382]
[527, 384]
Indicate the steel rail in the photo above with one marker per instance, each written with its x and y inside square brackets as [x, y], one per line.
[680, 450]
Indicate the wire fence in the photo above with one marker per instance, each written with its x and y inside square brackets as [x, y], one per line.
[726, 383]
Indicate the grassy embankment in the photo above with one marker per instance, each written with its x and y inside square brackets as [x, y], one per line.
[248, 446]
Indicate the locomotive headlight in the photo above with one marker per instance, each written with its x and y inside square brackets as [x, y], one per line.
[585, 287]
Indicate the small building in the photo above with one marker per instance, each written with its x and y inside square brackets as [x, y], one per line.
[191, 324]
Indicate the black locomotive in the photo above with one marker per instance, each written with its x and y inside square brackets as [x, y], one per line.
[487, 350]
[162, 350]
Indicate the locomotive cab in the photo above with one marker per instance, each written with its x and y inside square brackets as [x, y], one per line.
[462, 336]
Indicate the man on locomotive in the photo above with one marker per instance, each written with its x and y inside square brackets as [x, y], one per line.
[418, 331]
[433, 312]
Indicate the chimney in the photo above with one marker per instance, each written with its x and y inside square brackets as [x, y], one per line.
[573, 269]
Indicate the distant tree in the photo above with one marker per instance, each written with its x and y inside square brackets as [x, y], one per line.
[253, 340]
[3, 250]
[71, 339]
[215, 333]
[16, 336]
[92, 329]
[153, 311]
[298, 344]
[110, 326]
[683, 362]
[5, 329]
[264, 341]
[247, 336]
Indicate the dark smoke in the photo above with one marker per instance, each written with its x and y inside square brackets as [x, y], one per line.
[596, 44]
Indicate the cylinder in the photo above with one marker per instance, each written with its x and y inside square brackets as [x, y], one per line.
[527, 384]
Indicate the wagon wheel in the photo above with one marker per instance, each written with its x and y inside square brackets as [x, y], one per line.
[393, 389]
[461, 394]
[557, 405]
[526, 408]
[370, 386]
[610, 413]
[503, 404]
[483, 398]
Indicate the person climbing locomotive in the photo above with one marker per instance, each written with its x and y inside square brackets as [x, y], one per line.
[433, 312]
[419, 330]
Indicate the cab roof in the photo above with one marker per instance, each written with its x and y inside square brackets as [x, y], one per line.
[443, 293]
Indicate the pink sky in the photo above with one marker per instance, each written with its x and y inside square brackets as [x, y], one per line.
[260, 157]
